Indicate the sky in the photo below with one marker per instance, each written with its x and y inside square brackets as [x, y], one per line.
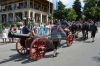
[69, 3]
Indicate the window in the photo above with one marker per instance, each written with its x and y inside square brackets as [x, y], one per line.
[26, 13]
[3, 8]
[24, 4]
[15, 6]
[35, 5]
[20, 5]
[0, 9]
[10, 7]
[31, 4]
[39, 6]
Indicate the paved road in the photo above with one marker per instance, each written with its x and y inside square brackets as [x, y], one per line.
[82, 53]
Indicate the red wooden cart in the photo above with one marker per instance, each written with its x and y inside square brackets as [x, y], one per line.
[35, 46]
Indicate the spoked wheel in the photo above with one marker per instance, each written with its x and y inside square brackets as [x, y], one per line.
[21, 49]
[38, 49]
[69, 40]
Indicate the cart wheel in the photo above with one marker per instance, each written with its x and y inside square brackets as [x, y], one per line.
[38, 49]
[20, 49]
[69, 40]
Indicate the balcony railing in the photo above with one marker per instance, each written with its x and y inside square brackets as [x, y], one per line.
[37, 6]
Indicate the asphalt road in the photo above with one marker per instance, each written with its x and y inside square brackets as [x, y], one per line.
[81, 53]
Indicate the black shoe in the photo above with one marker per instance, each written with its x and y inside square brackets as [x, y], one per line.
[55, 55]
[93, 41]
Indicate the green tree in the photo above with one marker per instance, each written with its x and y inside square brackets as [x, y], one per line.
[95, 13]
[65, 13]
[98, 3]
[71, 15]
[91, 11]
[77, 8]
[89, 3]
[58, 14]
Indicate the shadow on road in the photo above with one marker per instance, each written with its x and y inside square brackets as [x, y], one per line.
[48, 56]
[96, 58]
[13, 49]
[17, 58]
[85, 41]
[64, 46]
[88, 42]
[24, 59]
[79, 39]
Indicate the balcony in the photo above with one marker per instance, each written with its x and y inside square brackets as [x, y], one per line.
[14, 6]
[22, 5]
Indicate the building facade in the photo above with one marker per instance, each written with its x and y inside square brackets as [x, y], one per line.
[15, 10]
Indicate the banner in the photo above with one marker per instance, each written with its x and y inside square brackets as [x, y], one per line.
[55, 4]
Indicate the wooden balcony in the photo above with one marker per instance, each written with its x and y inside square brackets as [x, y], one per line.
[42, 5]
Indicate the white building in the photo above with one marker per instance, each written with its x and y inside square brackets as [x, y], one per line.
[13, 10]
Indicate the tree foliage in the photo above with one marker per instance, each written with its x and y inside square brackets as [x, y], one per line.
[65, 13]
[98, 4]
[60, 11]
[77, 8]
[92, 9]
[71, 16]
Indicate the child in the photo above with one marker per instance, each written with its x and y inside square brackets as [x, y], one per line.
[42, 30]
[48, 29]
[5, 35]
[9, 34]
[70, 39]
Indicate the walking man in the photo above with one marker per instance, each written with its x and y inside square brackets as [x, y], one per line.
[93, 29]
[56, 34]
